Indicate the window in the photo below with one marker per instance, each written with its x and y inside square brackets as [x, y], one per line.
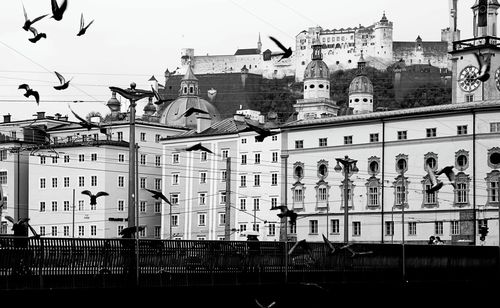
[120, 136]
[313, 227]
[93, 230]
[400, 191]
[322, 194]
[373, 192]
[65, 230]
[81, 157]
[54, 231]
[225, 154]
[495, 127]
[119, 229]
[121, 181]
[201, 220]
[157, 231]
[3, 155]
[243, 159]
[462, 130]
[175, 158]
[347, 139]
[223, 175]
[244, 140]
[142, 206]
[402, 135]
[492, 185]
[93, 180]
[66, 206]
[257, 158]
[469, 98]
[356, 228]
[274, 138]
[143, 159]
[274, 202]
[157, 138]
[374, 137]
[158, 184]
[323, 142]
[54, 182]
[243, 204]
[81, 181]
[243, 181]
[412, 228]
[298, 195]
[335, 226]
[121, 158]
[454, 228]
[93, 157]
[274, 179]
[174, 199]
[429, 198]
[430, 132]
[203, 156]
[54, 206]
[143, 136]
[54, 160]
[222, 197]
[202, 198]
[142, 233]
[274, 158]
[256, 227]
[299, 144]
[256, 204]
[66, 181]
[389, 228]
[42, 183]
[271, 229]
[157, 207]
[175, 179]
[203, 177]
[142, 183]
[158, 160]
[121, 205]
[42, 231]
[81, 205]
[243, 228]
[42, 206]
[222, 219]
[438, 228]
[42, 160]
[66, 158]
[175, 220]
[256, 180]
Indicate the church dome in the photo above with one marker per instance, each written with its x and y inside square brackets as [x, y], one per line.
[172, 115]
[317, 69]
[113, 103]
[361, 84]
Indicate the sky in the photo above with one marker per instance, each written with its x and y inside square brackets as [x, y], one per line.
[129, 41]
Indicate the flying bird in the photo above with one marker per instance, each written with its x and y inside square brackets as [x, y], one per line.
[28, 22]
[302, 243]
[129, 232]
[435, 184]
[159, 195]
[86, 124]
[173, 73]
[285, 212]
[20, 227]
[36, 36]
[263, 132]
[192, 110]
[93, 198]
[58, 11]
[448, 171]
[64, 84]
[197, 147]
[484, 61]
[156, 95]
[287, 52]
[83, 28]
[329, 244]
[30, 92]
[355, 253]
[262, 306]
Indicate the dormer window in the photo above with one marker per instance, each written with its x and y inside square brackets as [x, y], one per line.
[185, 90]
[191, 90]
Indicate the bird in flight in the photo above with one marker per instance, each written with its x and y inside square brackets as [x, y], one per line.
[329, 244]
[263, 133]
[435, 184]
[262, 306]
[93, 198]
[83, 27]
[30, 92]
[448, 171]
[197, 147]
[28, 22]
[129, 231]
[483, 61]
[191, 111]
[285, 212]
[287, 52]
[156, 95]
[159, 194]
[36, 36]
[355, 253]
[64, 84]
[88, 125]
[20, 227]
[58, 11]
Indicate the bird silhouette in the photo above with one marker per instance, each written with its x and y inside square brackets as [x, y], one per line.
[88, 125]
[329, 244]
[93, 198]
[64, 84]
[262, 306]
[129, 231]
[28, 22]
[355, 253]
[263, 133]
[287, 52]
[173, 73]
[302, 243]
[191, 111]
[156, 95]
[483, 61]
[197, 147]
[159, 195]
[285, 212]
[83, 27]
[30, 92]
[20, 227]
[58, 11]
[448, 171]
[432, 176]
[36, 36]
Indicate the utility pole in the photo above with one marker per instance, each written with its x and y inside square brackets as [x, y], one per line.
[227, 218]
[348, 165]
[403, 224]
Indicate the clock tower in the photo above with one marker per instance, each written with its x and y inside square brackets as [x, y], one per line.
[476, 61]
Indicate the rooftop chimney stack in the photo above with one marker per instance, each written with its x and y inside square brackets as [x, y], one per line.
[6, 118]
[202, 123]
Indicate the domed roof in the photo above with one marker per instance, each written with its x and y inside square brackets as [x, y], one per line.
[317, 69]
[113, 103]
[172, 115]
[149, 107]
[361, 84]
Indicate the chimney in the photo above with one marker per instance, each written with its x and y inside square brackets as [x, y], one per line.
[262, 119]
[239, 117]
[202, 123]
[40, 115]
[6, 118]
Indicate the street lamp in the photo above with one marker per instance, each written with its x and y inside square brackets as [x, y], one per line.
[348, 165]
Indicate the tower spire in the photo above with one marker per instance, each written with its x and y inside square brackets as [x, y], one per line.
[259, 44]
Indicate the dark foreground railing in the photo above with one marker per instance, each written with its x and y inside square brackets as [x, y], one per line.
[55, 263]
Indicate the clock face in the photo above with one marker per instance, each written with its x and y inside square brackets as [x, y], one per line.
[467, 79]
[497, 78]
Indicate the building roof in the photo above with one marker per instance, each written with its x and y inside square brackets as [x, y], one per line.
[361, 84]
[396, 114]
[427, 47]
[247, 51]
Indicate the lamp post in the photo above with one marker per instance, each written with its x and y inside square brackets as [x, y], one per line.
[348, 165]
